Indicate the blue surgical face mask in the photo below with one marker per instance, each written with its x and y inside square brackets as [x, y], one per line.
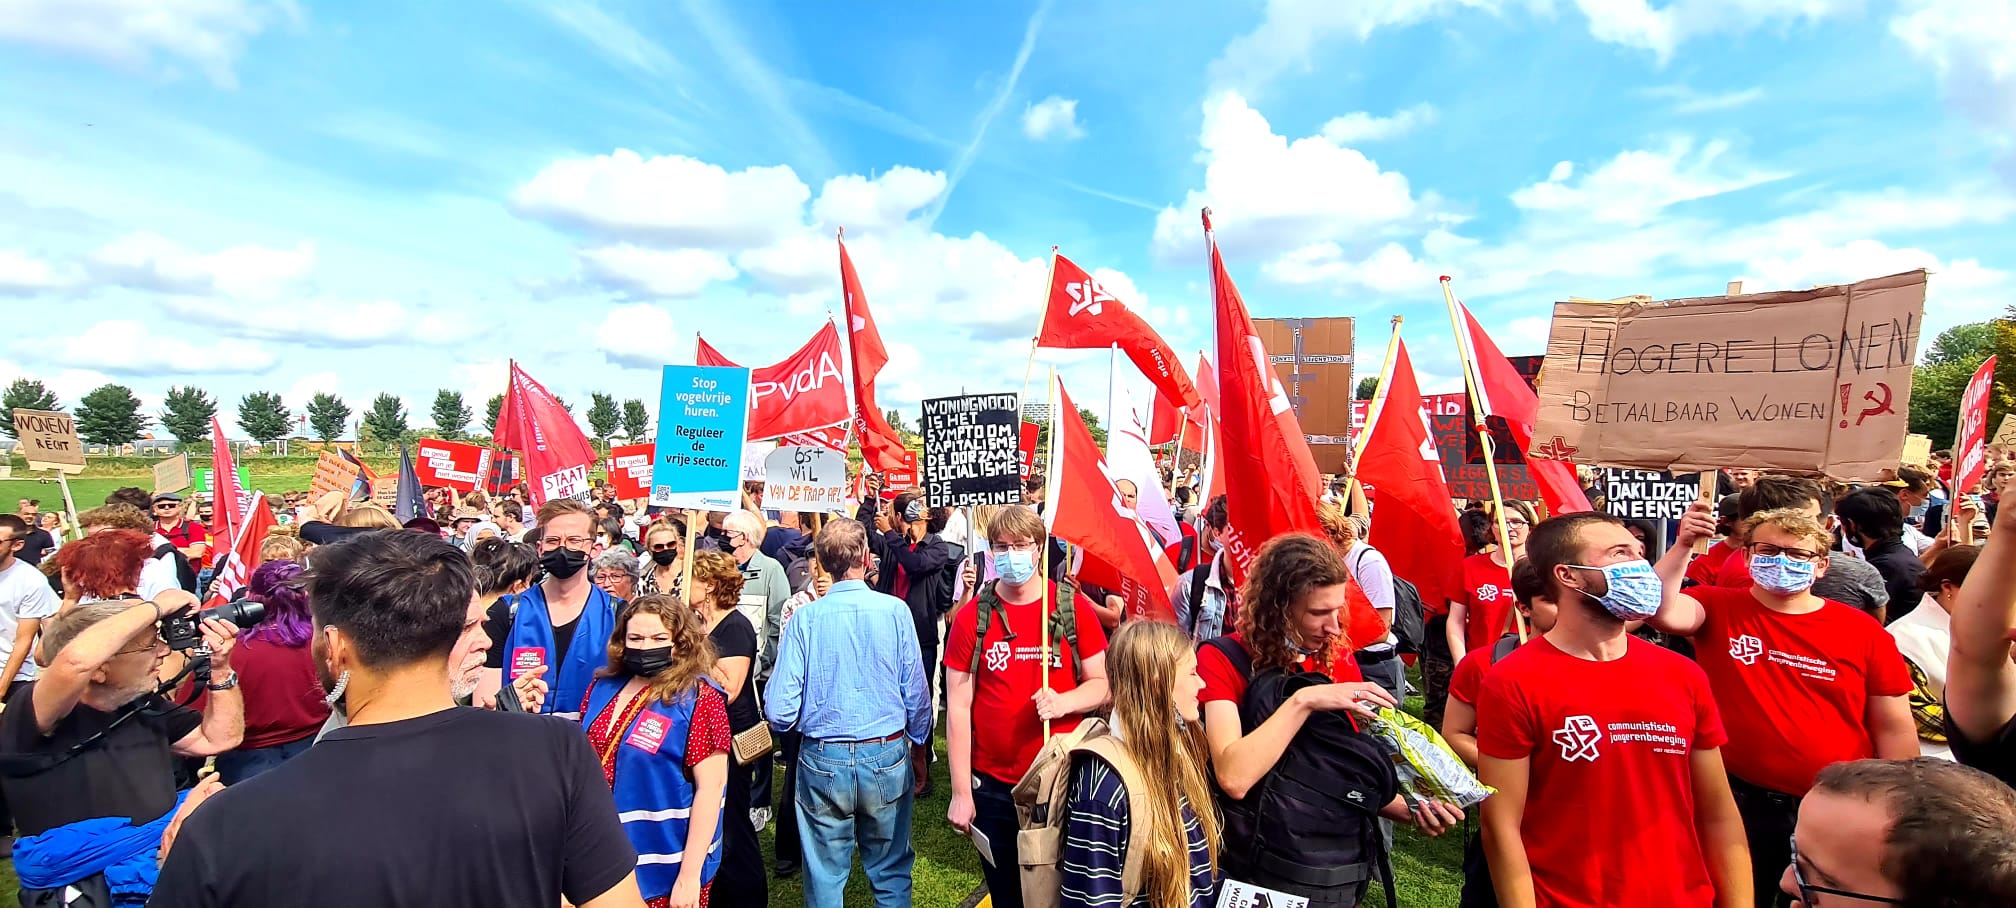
[1015, 567]
[1634, 593]
[1781, 575]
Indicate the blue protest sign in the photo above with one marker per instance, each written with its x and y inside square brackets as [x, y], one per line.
[703, 413]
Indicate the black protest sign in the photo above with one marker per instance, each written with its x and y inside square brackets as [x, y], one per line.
[1649, 494]
[971, 454]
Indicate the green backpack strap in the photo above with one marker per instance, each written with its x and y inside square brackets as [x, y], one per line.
[1064, 626]
[984, 605]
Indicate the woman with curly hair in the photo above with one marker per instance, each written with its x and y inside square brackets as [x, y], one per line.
[104, 565]
[284, 702]
[717, 590]
[660, 726]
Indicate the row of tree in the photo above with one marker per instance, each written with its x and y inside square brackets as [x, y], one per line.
[112, 415]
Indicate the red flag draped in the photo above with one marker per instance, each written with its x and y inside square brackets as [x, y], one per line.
[244, 555]
[1970, 446]
[803, 392]
[880, 445]
[1082, 315]
[1413, 521]
[1085, 511]
[557, 454]
[227, 503]
[1503, 393]
[1207, 422]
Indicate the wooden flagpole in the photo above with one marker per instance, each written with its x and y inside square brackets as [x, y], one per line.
[1372, 411]
[1483, 427]
[1043, 544]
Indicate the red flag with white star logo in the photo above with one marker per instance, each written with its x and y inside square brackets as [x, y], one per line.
[1085, 511]
[1082, 315]
[1413, 522]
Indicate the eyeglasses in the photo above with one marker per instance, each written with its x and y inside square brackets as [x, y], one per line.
[1519, 522]
[572, 542]
[1767, 550]
[605, 578]
[149, 646]
[1806, 889]
[999, 547]
[167, 507]
[664, 546]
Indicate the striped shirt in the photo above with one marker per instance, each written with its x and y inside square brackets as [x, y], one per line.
[1096, 828]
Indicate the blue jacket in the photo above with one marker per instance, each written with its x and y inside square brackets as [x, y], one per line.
[530, 645]
[113, 846]
[654, 794]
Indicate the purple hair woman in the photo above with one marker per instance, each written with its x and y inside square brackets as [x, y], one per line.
[284, 705]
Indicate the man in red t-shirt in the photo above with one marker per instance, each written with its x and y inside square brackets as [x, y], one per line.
[1804, 682]
[190, 538]
[1477, 620]
[1615, 742]
[1459, 716]
[1010, 691]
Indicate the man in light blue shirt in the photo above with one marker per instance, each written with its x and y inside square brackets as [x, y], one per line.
[857, 650]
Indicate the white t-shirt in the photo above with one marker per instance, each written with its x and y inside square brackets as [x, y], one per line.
[24, 593]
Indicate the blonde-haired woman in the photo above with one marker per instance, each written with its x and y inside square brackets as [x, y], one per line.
[660, 726]
[1152, 670]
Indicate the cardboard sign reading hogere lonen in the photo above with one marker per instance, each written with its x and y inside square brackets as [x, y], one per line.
[1809, 381]
[971, 450]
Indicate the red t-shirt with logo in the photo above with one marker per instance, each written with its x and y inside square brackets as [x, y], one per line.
[1006, 731]
[1223, 682]
[1795, 688]
[1487, 593]
[1610, 799]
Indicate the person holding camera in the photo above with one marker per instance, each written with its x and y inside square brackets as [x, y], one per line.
[87, 748]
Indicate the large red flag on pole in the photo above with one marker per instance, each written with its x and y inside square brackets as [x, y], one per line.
[1970, 443]
[1214, 466]
[557, 454]
[228, 505]
[1085, 511]
[803, 392]
[243, 558]
[1270, 479]
[1413, 520]
[880, 445]
[1081, 314]
[1501, 392]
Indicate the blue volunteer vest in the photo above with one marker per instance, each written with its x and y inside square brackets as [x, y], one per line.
[654, 795]
[531, 645]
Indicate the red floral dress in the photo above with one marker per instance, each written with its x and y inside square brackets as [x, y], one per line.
[707, 735]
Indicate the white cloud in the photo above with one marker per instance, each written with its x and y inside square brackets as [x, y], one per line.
[861, 204]
[23, 274]
[1269, 195]
[639, 336]
[1971, 44]
[1052, 118]
[149, 261]
[800, 263]
[1636, 186]
[307, 386]
[1360, 126]
[1688, 101]
[670, 200]
[1389, 269]
[206, 34]
[128, 347]
[69, 385]
[1291, 30]
[1561, 172]
[640, 272]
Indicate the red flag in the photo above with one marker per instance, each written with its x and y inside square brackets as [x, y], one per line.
[1501, 392]
[244, 555]
[834, 437]
[1085, 511]
[1271, 481]
[804, 391]
[1082, 315]
[1413, 521]
[880, 445]
[533, 422]
[227, 502]
[1970, 444]
[1207, 422]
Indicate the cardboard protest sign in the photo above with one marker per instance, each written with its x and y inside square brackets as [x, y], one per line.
[2004, 437]
[805, 479]
[172, 475]
[1649, 494]
[1917, 450]
[49, 440]
[703, 413]
[972, 450]
[1803, 381]
[629, 469]
[333, 473]
[456, 465]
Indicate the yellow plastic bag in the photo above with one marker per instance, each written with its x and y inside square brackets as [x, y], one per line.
[1426, 766]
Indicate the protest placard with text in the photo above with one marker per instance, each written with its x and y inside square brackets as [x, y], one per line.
[456, 465]
[49, 440]
[172, 475]
[1649, 494]
[703, 413]
[972, 450]
[2005, 434]
[1812, 381]
[805, 479]
[333, 473]
[629, 469]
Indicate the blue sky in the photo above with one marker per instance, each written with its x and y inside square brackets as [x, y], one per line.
[376, 196]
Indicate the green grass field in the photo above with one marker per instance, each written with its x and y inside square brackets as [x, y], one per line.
[90, 491]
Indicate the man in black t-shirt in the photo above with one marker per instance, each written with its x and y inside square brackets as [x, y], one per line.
[414, 802]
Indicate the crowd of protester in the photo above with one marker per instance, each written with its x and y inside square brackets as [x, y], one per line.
[585, 703]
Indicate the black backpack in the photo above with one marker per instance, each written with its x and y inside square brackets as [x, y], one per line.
[1310, 827]
[1410, 614]
[185, 573]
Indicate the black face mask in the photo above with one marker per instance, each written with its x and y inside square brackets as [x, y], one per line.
[647, 662]
[563, 562]
[664, 558]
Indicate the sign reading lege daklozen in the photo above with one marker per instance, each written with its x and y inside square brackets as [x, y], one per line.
[972, 450]
[1815, 381]
[49, 440]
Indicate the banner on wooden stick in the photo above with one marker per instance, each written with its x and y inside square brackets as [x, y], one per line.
[49, 440]
[1805, 381]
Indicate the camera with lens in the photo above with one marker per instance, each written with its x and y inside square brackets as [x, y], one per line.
[184, 630]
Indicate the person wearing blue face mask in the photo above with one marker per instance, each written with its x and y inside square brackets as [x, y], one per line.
[1803, 682]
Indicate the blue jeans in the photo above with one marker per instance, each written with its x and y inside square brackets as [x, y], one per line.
[239, 765]
[855, 795]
